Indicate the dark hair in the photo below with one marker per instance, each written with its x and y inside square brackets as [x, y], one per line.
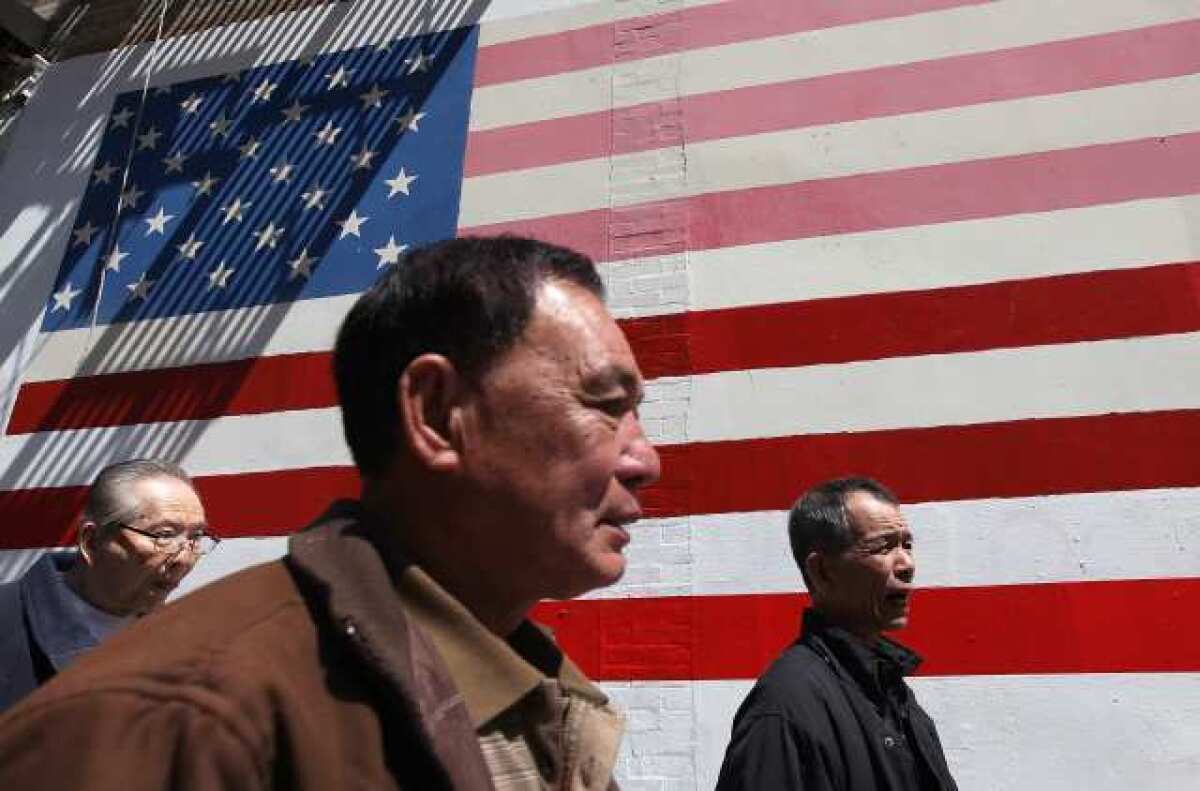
[819, 521]
[468, 299]
[108, 500]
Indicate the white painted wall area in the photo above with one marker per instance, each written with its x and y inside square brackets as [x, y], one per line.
[1100, 732]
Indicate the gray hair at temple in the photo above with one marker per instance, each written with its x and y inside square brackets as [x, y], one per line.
[108, 499]
[819, 520]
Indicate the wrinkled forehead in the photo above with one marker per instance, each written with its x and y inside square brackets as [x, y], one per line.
[165, 499]
[871, 517]
[572, 325]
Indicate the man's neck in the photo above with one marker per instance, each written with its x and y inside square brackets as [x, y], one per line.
[78, 581]
[427, 540]
[866, 635]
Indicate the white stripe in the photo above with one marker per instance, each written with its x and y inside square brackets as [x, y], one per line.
[552, 18]
[262, 331]
[1134, 375]
[1102, 732]
[1115, 236]
[1149, 534]
[225, 446]
[847, 48]
[1127, 375]
[1118, 236]
[1061, 538]
[1041, 123]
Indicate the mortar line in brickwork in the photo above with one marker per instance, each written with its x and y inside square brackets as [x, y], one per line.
[651, 138]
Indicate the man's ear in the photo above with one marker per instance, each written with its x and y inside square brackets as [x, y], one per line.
[429, 395]
[816, 571]
[86, 541]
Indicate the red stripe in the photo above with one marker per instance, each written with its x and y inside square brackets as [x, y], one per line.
[268, 503]
[1025, 458]
[1081, 307]
[1035, 70]
[1081, 627]
[1037, 182]
[1018, 459]
[705, 26]
[1069, 308]
[196, 392]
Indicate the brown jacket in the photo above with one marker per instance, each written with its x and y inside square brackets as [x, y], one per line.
[303, 673]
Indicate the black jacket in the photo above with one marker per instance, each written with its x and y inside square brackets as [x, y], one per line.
[832, 714]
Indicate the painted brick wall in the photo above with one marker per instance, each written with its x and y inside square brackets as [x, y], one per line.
[659, 752]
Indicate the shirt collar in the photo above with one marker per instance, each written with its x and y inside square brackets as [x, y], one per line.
[491, 673]
[63, 623]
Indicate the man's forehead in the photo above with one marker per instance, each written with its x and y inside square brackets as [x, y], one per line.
[572, 322]
[871, 516]
[165, 496]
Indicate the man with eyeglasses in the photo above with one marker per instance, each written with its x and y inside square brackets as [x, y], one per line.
[142, 531]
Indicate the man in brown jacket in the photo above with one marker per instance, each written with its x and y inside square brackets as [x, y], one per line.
[490, 403]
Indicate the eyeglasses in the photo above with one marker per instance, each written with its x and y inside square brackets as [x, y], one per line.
[200, 542]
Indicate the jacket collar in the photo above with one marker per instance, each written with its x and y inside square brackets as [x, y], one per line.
[348, 586]
[492, 673]
[876, 668]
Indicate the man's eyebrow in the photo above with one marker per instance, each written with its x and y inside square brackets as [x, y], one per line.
[615, 375]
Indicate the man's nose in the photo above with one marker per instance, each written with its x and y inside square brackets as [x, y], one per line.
[906, 564]
[639, 464]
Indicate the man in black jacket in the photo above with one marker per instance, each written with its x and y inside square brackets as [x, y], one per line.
[833, 712]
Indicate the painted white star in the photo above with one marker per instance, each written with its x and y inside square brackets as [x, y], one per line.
[234, 210]
[362, 159]
[191, 105]
[339, 77]
[418, 62]
[114, 259]
[282, 172]
[400, 183]
[121, 120]
[130, 197]
[315, 197]
[158, 223]
[175, 163]
[373, 97]
[293, 113]
[64, 297]
[409, 120]
[389, 253]
[83, 234]
[351, 225]
[220, 126]
[328, 134]
[149, 139]
[249, 149]
[263, 92]
[268, 236]
[301, 265]
[190, 248]
[140, 288]
[205, 185]
[219, 277]
[104, 173]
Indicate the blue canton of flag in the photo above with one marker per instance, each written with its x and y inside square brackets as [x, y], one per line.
[296, 180]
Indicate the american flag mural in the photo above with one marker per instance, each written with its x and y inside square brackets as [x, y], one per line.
[946, 243]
